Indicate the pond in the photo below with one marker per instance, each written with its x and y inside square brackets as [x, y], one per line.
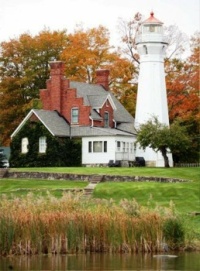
[139, 262]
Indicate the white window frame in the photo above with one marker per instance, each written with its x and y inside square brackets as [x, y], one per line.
[106, 119]
[75, 115]
[118, 146]
[42, 144]
[97, 146]
[24, 145]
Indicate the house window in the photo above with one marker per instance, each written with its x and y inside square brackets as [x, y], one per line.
[127, 146]
[89, 146]
[105, 146]
[124, 146]
[24, 145]
[106, 119]
[118, 145]
[42, 144]
[74, 115]
[131, 147]
[97, 146]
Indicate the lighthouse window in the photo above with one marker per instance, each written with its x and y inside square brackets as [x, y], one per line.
[152, 28]
[145, 49]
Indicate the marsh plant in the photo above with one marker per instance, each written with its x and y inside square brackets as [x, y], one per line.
[75, 224]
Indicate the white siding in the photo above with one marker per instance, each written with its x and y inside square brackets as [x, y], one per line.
[89, 158]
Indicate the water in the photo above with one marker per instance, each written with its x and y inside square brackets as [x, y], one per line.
[139, 262]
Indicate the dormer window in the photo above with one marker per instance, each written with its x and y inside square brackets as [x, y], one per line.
[74, 115]
[106, 119]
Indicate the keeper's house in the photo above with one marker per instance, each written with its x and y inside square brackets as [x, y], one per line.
[80, 123]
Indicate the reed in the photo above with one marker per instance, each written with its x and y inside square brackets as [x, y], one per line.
[73, 224]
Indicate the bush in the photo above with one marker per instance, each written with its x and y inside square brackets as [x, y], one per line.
[173, 231]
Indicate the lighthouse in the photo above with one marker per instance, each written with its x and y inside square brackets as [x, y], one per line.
[151, 97]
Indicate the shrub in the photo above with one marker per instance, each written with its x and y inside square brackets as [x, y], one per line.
[173, 231]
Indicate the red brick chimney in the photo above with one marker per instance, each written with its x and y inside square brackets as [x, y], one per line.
[52, 96]
[57, 74]
[102, 78]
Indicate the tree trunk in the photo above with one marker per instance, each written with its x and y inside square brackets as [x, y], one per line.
[164, 154]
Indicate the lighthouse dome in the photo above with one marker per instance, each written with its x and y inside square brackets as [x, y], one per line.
[151, 30]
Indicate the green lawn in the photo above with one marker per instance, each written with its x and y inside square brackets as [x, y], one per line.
[185, 196]
[19, 187]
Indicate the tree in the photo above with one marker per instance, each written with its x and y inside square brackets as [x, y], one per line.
[24, 70]
[129, 30]
[177, 40]
[87, 51]
[161, 137]
[183, 96]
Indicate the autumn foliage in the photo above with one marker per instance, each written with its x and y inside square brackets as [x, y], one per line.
[24, 70]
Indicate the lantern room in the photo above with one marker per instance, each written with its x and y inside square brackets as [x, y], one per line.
[151, 30]
[152, 25]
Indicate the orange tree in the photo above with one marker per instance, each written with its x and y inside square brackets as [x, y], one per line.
[23, 71]
[183, 96]
[88, 51]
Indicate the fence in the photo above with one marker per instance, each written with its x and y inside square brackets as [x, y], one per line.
[187, 164]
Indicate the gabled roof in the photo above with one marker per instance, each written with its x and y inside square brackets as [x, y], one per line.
[121, 114]
[56, 124]
[94, 96]
[95, 115]
[89, 91]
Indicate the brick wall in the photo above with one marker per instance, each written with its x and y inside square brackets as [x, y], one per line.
[102, 77]
[58, 96]
[69, 101]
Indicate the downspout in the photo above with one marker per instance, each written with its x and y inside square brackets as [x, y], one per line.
[92, 125]
[70, 132]
[115, 123]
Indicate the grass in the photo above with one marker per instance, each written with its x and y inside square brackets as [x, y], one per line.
[185, 196]
[19, 187]
[71, 224]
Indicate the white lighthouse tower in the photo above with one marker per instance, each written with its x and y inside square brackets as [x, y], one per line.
[151, 96]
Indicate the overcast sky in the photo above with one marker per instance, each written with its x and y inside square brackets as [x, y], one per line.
[20, 16]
